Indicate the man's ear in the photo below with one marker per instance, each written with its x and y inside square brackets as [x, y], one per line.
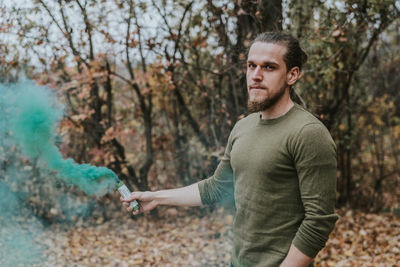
[293, 75]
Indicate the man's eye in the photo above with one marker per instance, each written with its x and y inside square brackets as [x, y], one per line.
[268, 67]
[251, 65]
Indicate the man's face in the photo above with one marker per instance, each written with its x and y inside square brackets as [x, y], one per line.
[266, 75]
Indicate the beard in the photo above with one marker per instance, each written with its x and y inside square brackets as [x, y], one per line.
[256, 106]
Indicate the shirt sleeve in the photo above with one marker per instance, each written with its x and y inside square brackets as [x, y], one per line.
[315, 159]
[219, 187]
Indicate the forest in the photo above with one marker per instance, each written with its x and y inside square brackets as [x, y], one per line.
[151, 89]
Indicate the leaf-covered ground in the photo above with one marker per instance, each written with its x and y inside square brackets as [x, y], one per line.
[178, 239]
[361, 239]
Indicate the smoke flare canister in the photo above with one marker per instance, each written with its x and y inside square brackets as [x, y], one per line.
[125, 193]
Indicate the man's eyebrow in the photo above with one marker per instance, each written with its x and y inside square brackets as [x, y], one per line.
[264, 63]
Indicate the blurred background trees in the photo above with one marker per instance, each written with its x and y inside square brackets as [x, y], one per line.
[153, 88]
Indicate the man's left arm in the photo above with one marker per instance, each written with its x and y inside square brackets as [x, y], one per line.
[315, 159]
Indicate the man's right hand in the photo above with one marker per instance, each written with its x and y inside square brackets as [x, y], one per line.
[188, 196]
[147, 201]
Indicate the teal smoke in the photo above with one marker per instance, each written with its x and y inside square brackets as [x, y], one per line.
[32, 115]
[17, 244]
[29, 117]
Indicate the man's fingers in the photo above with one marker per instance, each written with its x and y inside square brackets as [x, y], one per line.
[146, 200]
[140, 210]
[136, 212]
[133, 196]
[129, 207]
[143, 208]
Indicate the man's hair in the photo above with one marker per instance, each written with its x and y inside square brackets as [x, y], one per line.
[294, 57]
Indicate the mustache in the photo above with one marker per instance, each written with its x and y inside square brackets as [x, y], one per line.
[257, 86]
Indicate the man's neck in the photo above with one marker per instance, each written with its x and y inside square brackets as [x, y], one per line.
[279, 109]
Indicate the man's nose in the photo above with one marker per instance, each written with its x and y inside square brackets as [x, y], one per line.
[257, 75]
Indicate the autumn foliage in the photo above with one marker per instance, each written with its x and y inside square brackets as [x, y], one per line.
[153, 88]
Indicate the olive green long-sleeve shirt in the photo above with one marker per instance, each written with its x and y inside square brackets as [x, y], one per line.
[282, 175]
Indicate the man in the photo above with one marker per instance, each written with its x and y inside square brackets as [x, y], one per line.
[279, 163]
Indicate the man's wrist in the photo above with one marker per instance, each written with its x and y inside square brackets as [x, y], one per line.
[159, 197]
[296, 258]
